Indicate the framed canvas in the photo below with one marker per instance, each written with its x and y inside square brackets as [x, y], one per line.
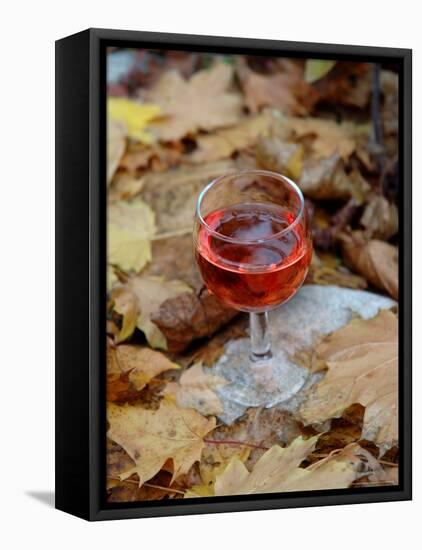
[233, 244]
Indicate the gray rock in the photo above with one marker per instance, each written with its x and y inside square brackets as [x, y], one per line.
[312, 313]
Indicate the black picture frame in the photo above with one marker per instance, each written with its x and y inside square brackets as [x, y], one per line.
[81, 273]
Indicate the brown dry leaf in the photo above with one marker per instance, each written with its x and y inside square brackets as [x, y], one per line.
[204, 102]
[141, 364]
[173, 194]
[327, 179]
[173, 258]
[375, 260]
[156, 157]
[152, 437]
[223, 143]
[272, 153]
[138, 299]
[125, 186]
[390, 107]
[116, 145]
[380, 218]
[362, 361]
[195, 390]
[284, 90]
[189, 316]
[329, 136]
[322, 271]
[347, 84]
[278, 471]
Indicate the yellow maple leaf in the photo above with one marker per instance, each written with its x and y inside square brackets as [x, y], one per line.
[152, 437]
[131, 225]
[142, 363]
[135, 115]
[277, 470]
[138, 298]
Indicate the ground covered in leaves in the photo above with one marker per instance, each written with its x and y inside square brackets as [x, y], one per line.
[177, 120]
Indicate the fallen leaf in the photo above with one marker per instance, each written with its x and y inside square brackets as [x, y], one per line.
[277, 155]
[111, 277]
[278, 471]
[152, 437]
[214, 461]
[347, 83]
[141, 364]
[116, 145]
[326, 179]
[204, 102]
[375, 260]
[389, 81]
[195, 390]
[138, 299]
[125, 186]
[157, 157]
[322, 272]
[223, 143]
[286, 90]
[130, 229]
[315, 69]
[362, 361]
[329, 137]
[189, 316]
[380, 218]
[173, 195]
[135, 115]
[173, 258]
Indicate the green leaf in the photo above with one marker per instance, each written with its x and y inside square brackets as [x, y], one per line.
[315, 69]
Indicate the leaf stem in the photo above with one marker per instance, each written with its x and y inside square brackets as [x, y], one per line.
[233, 442]
[167, 489]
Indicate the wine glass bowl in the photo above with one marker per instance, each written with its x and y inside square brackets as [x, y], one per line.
[252, 241]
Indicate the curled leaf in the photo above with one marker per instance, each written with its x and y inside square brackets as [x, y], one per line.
[189, 316]
[138, 299]
[375, 260]
[327, 179]
[276, 155]
[380, 218]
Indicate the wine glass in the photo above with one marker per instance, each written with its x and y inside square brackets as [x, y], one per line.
[253, 248]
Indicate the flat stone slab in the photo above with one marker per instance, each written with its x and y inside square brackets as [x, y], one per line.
[314, 312]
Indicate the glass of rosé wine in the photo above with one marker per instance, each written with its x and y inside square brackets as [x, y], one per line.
[253, 248]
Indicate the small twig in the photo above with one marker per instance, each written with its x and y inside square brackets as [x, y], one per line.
[233, 442]
[167, 489]
[385, 482]
[376, 106]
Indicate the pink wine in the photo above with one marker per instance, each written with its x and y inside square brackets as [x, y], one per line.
[255, 269]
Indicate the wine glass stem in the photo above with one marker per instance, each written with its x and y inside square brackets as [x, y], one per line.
[260, 338]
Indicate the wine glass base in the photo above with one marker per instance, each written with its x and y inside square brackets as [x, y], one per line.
[258, 383]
